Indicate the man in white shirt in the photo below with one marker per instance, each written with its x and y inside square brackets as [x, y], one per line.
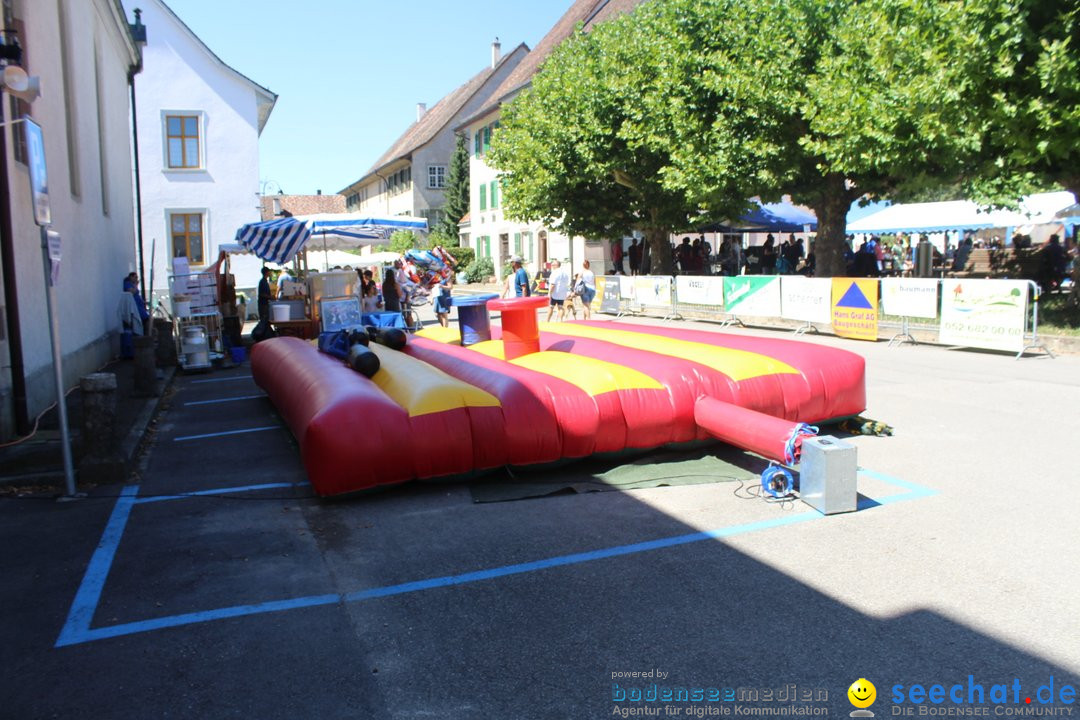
[559, 284]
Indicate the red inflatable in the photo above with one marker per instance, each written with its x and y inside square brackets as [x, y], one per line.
[437, 409]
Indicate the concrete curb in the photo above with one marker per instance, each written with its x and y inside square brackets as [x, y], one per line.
[138, 430]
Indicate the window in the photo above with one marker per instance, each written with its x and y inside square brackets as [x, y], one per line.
[186, 230]
[494, 194]
[182, 141]
[483, 197]
[487, 138]
[478, 142]
[436, 176]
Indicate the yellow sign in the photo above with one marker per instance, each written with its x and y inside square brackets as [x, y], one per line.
[854, 308]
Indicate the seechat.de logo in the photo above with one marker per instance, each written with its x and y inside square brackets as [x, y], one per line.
[862, 695]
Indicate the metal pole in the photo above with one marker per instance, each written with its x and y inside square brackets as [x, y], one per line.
[58, 373]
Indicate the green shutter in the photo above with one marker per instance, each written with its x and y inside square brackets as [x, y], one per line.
[494, 194]
[517, 243]
[483, 197]
[487, 138]
[478, 140]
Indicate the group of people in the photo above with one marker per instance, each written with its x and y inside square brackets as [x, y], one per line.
[561, 288]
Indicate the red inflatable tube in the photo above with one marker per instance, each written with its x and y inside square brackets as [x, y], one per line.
[349, 431]
[763, 434]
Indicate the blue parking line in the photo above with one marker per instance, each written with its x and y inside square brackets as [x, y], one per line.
[223, 433]
[89, 595]
[219, 491]
[225, 400]
[221, 379]
[77, 629]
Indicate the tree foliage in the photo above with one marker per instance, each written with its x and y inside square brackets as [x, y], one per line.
[403, 240]
[562, 143]
[698, 105]
[457, 191]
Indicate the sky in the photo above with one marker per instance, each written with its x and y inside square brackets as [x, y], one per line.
[349, 73]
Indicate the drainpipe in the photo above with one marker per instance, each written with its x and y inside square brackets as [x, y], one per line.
[11, 294]
[138, 33]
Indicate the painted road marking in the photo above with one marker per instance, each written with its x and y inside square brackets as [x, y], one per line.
[220, 491]
[224, 379]
[225, 400]
[183, 438]
[77, 629]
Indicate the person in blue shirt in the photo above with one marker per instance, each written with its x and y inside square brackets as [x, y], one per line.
[521, 278]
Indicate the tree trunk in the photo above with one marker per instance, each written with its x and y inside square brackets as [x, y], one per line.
[832, 208]
[659, 250]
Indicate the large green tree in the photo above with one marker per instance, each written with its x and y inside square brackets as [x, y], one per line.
[577, 151]
[457, 191]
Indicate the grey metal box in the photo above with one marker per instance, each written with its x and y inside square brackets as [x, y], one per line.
[827, 475]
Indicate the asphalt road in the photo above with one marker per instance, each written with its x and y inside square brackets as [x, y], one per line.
[960, 570]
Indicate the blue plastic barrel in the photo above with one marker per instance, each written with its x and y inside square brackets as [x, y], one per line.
[473, 318]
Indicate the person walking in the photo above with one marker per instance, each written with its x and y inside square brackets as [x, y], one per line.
[560, 289]
[585, 288]
[521, 278]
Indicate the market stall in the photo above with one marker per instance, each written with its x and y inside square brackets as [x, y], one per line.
[328, 298]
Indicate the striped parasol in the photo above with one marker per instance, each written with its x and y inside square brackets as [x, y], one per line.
[281, 239]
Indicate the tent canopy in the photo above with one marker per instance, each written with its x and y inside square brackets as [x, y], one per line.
[962, 215]
[280, 239]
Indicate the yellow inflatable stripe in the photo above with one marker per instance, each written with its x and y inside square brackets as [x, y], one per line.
[438, 333]
[423, 389]
[491, 348]
[591, 375]
[736, 364]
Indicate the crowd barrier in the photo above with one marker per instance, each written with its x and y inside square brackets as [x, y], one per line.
[977, 313]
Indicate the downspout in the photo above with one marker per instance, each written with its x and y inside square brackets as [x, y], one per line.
[386, 190]
[11, 294]
[138, 33]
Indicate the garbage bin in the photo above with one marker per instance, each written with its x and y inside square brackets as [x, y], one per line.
[924, 259]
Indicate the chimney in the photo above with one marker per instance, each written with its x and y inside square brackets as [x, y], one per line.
[496, 52]
[421, 108]
[318, 192]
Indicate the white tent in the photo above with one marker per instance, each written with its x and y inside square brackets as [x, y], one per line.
[962, 215]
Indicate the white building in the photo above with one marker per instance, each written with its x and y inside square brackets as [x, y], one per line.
[198, 122]
[488, 231]
[83, 53]
[410, 177]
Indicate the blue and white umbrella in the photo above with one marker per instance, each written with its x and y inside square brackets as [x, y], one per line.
[278, 241]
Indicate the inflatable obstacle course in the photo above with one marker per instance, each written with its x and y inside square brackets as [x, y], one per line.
[435, 408]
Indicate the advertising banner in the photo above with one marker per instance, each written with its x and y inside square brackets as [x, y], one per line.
[626, 287]
[806, 299]
[984, 313]
[607, 290]
[652, 290]
[757, 295]
[854, 308]
[909, 297]
[699, 290]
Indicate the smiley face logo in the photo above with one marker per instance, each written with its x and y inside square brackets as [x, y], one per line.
[862, 693]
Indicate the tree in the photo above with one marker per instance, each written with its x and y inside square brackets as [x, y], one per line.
[1030, 98]
[827, 101]
[403, 240]
[457, 191]
[575, 151]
